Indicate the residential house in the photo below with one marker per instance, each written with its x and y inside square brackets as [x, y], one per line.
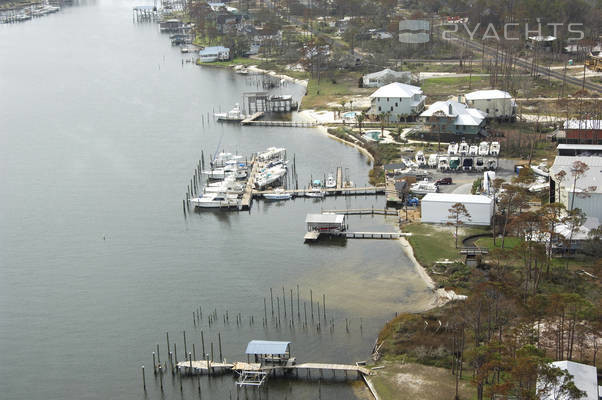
[584, 193]
[386, 76]
[453, 117]
[495, 103]
[398, 101]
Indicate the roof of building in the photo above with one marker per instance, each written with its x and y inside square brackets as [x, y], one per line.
[397, 89]
[451, 108]
[326, 218]
[582, 233]
[590, 180]
[488, 94]
[456, 198]
[583, 124]
[584, 376]
[386, 72]
[267, 347]
[213, 48]
[568, 146]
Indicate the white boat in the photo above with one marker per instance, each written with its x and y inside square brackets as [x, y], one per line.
[463, 148]
[454, 163]
[539, 187]
[278, 194]
[234, 114]
[222, 158]
[443, 164]
[424, 187]
[228, 185]
[232, 168]
[491, 164]
[483, 148]
[541, 169]
[184, 50]
[272, 153]
[420, 160]
[331, 182]
[315, 193]
[494, 149]
[479, 164]
[452, 149]
[269, 176]
[215, 200]
[432, 161]
[473, 150]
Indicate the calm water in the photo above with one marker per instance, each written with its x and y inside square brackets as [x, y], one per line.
[100, 130]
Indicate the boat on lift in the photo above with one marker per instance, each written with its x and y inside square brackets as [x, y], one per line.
[454, 163]
[467, 163]
[479, 164]
[463, 150]
[484, 149]
[491, 164]
[452, 149]
[473, 150]
[331, 182]
[235, 114]
[494, 149]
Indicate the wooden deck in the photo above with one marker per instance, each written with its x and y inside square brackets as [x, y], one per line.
[202, 366]
[334, 367]
[372, 235]
[339, 178]
[365, 211]
[251, 118]
[329, 192]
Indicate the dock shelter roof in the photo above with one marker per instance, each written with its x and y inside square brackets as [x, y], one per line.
[325, 218]
[267, 347]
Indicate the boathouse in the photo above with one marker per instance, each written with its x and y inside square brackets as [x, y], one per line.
[270, 351]
[325, 222]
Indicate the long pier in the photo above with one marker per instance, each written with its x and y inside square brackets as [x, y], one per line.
[328, 191]
[365, 211]
[288, 124]
[247, 197]
[197, 367]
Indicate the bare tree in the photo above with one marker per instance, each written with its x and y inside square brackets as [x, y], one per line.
[578, 169]
[457, 214]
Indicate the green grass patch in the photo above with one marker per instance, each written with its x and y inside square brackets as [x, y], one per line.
[509, 243]
[332, 87]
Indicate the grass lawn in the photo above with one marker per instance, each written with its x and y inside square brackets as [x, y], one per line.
[509, 243]
[401, 381]
[332, 88]
[442, 88]
[436, 242]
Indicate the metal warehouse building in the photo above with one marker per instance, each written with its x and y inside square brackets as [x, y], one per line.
[435, 208]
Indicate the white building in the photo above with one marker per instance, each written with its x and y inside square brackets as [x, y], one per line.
[435, 208]
[587, 189]
[399, 100]
[384, 77]
[585, 378]
[453, 117]
[494, 103]
[214, 53]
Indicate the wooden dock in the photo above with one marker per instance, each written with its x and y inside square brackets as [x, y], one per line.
[251, 118]
[371, 235]
[288, 124]
[339, 178]
[372, 190]
[365, 211]
[247, 197]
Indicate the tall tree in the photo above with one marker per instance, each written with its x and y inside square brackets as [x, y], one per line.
[457, 215]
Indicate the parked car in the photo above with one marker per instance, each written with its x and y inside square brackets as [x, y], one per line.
[444, 181]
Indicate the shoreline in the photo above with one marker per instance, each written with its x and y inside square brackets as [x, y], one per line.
[324, 130]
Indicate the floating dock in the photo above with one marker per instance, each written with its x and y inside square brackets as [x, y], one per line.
[328, 191]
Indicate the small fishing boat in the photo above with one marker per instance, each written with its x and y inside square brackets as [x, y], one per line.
[443, 164]
[473, 150]
[454, 163]
[331, 182]
[315, 193]
[483, 148]
[424, 187]
[272, 153]
[215, 200]
[420, 160]
[232, 168]
[467, 163]
[539, 187]
[269, 176]
[492, 164]
[432, 162]
[463, 148]
[494, 149]
[541, 169]
[452, 149]
[278, 194]
[479, 164]
[222, 158]
[235, 114]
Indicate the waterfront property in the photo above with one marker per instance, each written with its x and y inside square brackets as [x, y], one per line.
[585, 192]
[494, 103]
[384, 77]
[397, 101]
[454, 118]
[435, 208]
[214, 53]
